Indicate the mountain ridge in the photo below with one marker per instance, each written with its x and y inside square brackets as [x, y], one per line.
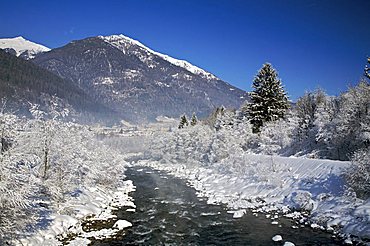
[22, 47]
[135, 81]
[178, 62]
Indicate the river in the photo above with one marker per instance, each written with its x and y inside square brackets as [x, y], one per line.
[168, 212]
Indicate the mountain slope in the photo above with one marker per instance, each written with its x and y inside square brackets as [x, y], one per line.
[22, 47]
[22, 83]
[137, 82]
[121, 41]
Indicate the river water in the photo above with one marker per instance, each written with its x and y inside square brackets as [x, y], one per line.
[168, 212]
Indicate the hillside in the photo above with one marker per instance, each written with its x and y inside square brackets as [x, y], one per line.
[137, 82]
[23, 83]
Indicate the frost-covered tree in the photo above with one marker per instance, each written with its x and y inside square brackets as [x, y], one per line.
[194, 120]
[213, 119]
[269, 101]
[358, 175]
[367, 69]
[315, 112]
[16, 180]
[276, 137]
[183, 122]
[45, 160]
[352, 123]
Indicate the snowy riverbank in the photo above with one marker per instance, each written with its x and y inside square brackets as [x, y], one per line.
[271, 183]
[56, 175]
[92, 204]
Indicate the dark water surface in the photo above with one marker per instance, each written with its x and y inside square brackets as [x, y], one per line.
[169, 213]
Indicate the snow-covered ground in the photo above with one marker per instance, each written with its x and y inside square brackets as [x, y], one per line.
[294, 186]
[92, 204]
[215, 162]
[55, 177]
[220, 165]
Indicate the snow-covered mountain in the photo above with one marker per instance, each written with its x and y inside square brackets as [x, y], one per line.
[22, 47]
[137, 82]
[121, 41]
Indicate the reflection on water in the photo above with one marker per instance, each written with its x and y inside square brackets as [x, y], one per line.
[168, 212]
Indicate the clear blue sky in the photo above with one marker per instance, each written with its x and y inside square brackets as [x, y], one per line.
[312, 43]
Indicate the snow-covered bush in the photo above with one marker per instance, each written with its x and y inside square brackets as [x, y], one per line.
[16, 181]
[47, 161]
[358, 175]
[352, 123]
[315, 112]
[276, 137]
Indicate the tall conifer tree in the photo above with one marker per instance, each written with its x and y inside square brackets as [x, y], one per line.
[269, 101]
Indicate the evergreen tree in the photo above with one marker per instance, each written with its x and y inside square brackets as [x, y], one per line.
[194, 120]
[183, 122]
[269, 101]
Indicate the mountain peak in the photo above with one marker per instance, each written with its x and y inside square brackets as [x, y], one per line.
[119, 40]
[19, 38]
[22, 45]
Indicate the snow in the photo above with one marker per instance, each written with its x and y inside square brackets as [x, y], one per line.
[20, 45]
[277, 238]
[313, 185]
[238, 213]
[121, 224]
[104, 81]
[94, 203]
[79, 242]
[348, 241]
[161, 84]
[115, 41]
[214, 162]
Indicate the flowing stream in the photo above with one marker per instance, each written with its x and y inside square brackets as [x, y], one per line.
[169, 213]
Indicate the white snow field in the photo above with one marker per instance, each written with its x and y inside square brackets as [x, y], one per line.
[308, 190]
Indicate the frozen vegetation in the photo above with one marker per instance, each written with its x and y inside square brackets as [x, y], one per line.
[308, 162]
[54, 175]
[311, 165]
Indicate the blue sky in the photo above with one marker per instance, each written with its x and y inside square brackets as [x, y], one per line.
[312, 43]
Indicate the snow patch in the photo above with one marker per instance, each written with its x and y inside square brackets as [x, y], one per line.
[121, 224]
[161, 84]
[277, 238]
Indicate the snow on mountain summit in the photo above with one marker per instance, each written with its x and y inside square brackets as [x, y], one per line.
[120, 42]
[21, 45]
